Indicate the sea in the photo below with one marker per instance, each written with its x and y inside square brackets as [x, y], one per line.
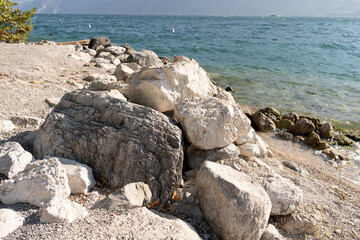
[306, 65]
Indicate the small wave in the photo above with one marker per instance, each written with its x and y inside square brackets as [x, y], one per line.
[335, 46]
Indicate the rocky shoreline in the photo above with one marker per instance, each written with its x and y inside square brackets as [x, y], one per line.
[145, 147]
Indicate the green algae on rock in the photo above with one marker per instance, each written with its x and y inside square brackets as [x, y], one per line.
[284, 124]
[313, 139]
[343, 140]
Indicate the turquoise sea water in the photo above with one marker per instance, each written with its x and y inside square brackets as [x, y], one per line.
[307, 65]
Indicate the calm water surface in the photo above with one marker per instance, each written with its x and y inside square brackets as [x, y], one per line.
[307, 65]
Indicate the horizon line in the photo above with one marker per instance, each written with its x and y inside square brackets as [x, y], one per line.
[204, 15]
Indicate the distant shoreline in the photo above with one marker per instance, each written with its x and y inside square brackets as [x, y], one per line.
[205, 15]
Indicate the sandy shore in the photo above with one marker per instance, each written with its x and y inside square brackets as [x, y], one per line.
[31, 74]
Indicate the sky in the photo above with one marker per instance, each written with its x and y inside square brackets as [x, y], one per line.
[318, 8]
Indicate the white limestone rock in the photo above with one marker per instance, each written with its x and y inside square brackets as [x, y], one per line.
[283, 193]
[64, 211]
[80, 176]
[116, 94]
[91, 52]
[271, 233]
[6, 126]
[84, 57]
[102, 85]
[116, 61]
[116, 51]
[197, 156]
[122, 57]
[110, 68]
[41, 182]
[249, 150]
[13, 159]
[159, 88]
[9, 222]
[251, 145]
[132, 195]
[250, 137]
[145, 58]
[122, 72]
[134, 66]
[99, 61]
[106, 55]
[211, 123]
[235, 206]
[101, 77]
[145, 224]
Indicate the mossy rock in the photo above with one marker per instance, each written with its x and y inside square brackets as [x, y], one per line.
[283, 123]
[272, 113]
[353, 137]
[322, 145]
[313, 139]
[327, 131]
[343, 140]
[315, 121]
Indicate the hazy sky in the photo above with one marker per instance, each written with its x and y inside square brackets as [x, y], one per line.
[307, 7]
[201, 7]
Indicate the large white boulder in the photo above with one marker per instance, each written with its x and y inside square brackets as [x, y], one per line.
[159, 88]
[64, 211]
[283, 193]
[41, 182]
[80, 176]
[9, 222]
[141, 223]
[197, 156]
[211, 123]
[121, 141]
[13, 158]
[235, 206]
[130, 196]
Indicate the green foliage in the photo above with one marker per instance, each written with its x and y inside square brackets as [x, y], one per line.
[15, 25]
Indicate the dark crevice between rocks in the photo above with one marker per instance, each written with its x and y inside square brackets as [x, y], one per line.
[25, 139]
